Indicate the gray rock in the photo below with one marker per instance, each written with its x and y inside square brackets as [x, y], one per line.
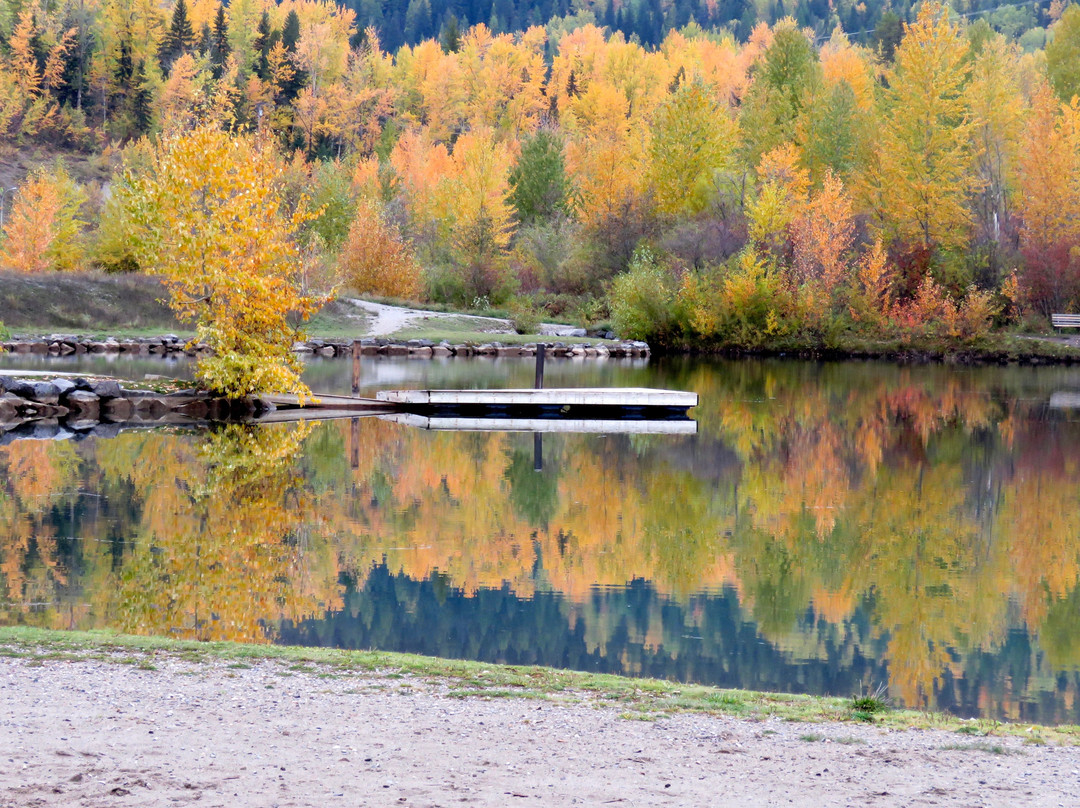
[106, 388]
[63, 386]
[83, 404]
[46, 392]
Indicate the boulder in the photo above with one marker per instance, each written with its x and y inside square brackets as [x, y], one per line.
[106, 388]
[152, 406]
[441, 351]
[45, 393]
[9, 407]
[63, 386]
[196, 408]
[84, 405]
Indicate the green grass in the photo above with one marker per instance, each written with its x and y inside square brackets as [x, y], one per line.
[641, 699]
[463, 330]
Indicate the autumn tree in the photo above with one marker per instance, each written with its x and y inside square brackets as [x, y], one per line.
[42, 230]
[919, 184]
[375, 258]
[693, 139]
[213, 223]
[1063, 54]
[777, 91]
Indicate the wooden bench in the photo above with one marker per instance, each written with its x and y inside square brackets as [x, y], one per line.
[1065, 320]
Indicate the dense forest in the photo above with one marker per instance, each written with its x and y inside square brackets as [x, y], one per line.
[724, 178]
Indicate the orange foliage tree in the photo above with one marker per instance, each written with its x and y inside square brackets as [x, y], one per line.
[376, 258]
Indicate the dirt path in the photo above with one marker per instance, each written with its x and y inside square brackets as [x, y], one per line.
[98, 733]
[391, 319]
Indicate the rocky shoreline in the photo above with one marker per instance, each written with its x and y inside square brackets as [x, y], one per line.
[69, 408]
[172, 345]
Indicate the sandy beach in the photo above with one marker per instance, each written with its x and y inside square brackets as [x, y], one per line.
[105, 733]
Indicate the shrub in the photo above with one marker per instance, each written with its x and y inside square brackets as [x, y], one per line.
[972, 319]
[524, 318]
[643, 299]
[754, 301]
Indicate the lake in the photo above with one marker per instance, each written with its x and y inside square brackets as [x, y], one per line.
[832, 528]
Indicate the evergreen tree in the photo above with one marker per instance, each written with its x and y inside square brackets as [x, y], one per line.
[290, 32]
[179, 38]
[219, 42]
[264, 41]
[290, 38]
[887, 34]
[450, 36]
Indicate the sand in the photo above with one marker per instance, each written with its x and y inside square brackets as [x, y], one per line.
[102, 733]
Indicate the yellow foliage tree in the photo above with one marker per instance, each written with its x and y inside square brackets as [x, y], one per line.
[475, 198]
[920, 183]
[213, 221]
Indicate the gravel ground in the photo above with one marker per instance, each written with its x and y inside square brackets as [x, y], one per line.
[100, 733]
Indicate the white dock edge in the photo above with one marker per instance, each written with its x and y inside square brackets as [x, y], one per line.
[575, 396]
[578, 425]
[1064, 400]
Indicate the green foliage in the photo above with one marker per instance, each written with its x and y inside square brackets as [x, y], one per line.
[524, 318]
[334, 204]
[643, 299]
[538, 184]
[1063, 55]
[776, 96]
[693, 139]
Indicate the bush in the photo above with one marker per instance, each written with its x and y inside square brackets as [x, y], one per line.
[643, 300]
[524, 318]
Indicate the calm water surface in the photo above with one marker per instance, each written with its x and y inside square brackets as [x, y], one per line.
[830, 528]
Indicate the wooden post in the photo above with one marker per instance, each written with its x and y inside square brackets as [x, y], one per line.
[356, 367]
[541, 349]
[538, 451]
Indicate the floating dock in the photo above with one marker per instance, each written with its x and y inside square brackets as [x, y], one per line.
[555, 425]
[593, 403]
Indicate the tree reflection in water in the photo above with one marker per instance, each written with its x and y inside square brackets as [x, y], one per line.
[922, 525]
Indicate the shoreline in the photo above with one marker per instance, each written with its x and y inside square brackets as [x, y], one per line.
[62, 345]
[94, 717]
[1000, 350]
[647, 699]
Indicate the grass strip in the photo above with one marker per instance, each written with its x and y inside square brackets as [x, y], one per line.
[643, 699]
